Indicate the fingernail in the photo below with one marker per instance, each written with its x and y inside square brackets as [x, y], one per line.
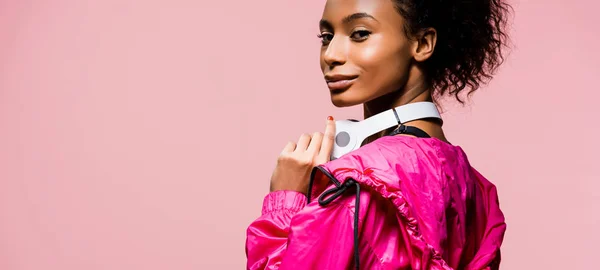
[329, 118]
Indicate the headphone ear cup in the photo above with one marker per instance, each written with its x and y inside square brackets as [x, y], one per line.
[344, 140]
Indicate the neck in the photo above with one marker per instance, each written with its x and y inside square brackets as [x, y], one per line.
[416, 92]
[397, 98]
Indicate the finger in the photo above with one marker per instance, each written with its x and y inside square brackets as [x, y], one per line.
[303, 142]
[315, 143]
[289, 147]
[328, 137]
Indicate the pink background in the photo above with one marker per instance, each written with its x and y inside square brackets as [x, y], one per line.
[142, 134]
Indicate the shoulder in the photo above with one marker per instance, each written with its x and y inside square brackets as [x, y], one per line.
[411, 154]
[417, 154]
[396, 166]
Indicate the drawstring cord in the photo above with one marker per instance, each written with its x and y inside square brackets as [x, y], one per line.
[337, 191]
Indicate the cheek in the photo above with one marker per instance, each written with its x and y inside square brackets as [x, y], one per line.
[384, 66]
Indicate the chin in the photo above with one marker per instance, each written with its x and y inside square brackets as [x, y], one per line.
[354, 95]
[342, 100]
[340, 103]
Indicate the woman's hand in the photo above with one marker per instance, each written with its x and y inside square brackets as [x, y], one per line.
[297, 160]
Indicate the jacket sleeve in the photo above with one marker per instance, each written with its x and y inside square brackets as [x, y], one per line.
[293, 235]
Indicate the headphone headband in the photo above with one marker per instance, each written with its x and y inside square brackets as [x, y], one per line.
[351, 133]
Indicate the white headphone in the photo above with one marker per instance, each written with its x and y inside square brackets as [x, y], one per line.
[350, 134]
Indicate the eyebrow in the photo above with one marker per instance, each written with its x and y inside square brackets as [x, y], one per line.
[348, 19]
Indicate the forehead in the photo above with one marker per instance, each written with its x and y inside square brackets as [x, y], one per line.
[383, 10]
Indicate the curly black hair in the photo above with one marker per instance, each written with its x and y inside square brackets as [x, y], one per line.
[471, 36]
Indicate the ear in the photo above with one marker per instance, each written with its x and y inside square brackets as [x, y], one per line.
[424, 44]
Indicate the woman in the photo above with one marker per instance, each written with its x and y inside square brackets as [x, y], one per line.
[400, 201]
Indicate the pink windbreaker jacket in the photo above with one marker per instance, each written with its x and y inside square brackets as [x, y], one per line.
[397, 203]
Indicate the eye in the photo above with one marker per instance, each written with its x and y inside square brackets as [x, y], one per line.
[360, 35]
[325, 37]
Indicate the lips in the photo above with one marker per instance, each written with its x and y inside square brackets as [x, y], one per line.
[339, 81]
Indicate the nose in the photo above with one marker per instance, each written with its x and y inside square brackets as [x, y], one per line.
[335, 53]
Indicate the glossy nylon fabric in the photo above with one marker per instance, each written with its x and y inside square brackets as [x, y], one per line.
[422, 206]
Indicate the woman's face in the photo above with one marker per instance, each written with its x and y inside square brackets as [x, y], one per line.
[365, 53]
